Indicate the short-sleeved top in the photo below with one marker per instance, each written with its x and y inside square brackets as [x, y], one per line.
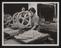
[34, 20]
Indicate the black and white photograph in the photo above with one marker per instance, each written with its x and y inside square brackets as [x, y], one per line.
[30, 23]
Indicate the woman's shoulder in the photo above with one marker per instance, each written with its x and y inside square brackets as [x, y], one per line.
[36, 16]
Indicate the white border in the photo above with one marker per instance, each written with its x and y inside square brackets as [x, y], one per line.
[30, 44]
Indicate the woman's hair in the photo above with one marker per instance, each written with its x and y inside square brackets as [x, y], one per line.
[32, 9]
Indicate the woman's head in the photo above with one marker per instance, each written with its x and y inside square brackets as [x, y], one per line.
[32, 11]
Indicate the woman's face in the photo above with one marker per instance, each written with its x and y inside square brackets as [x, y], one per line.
[31, 13]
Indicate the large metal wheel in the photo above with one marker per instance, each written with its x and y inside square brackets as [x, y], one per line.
[21, 19]
[7, 20]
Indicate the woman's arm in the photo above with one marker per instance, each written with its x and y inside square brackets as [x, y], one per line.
[36, 21]
[33, 27]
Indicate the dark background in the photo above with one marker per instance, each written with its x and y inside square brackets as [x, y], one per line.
[13, 8]
[46, 11]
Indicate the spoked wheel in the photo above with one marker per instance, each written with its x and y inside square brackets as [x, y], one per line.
[21, 19]
[7, 20]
